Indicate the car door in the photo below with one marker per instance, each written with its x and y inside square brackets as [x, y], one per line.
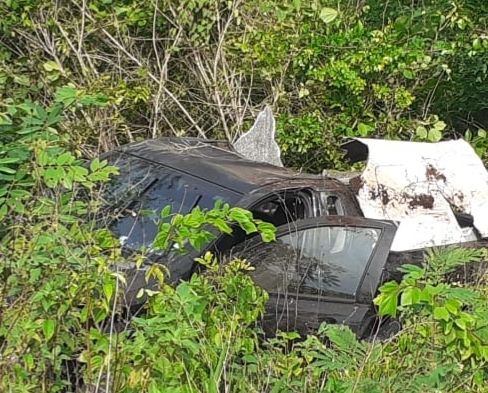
[320, 270]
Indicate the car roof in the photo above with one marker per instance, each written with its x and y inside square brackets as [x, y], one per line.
[211, 160]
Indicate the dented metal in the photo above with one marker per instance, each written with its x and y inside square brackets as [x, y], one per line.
[424, 186]
[412, 196]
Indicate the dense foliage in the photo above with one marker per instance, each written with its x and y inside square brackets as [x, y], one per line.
[330, 69]
[77, 78]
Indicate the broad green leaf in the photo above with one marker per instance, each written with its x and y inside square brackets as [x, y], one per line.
[408, 74]
[440, 125]
[35, 274]
[248, 226]
[222, 226]
[22, 80]
[108, 290]
[3, 211]
[268, 231]
[65, 158]
[66, 95]
[435, 135]
[441, 313]
[421, 132]
[29, 361]
[78, 173]
[19, 193]
[327, 14]
[48, 327]
[461, 323]
[406, 297]
[364, 129]
[29, 130]
[453, 305]
[387, 300]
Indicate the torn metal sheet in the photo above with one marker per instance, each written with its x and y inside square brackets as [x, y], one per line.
[258, 144]
[421, 185]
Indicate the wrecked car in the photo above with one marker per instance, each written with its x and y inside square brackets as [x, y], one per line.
[327, 260]
[338, 237]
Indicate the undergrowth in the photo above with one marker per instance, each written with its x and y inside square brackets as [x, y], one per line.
[63, 327]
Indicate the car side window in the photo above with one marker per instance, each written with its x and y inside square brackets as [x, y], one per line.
[278, 209]
[328, 261]
[332, 204]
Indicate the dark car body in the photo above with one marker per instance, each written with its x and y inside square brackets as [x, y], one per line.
[327, 261]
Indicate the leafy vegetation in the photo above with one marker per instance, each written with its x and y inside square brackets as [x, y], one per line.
[78, 78]
[330, 70]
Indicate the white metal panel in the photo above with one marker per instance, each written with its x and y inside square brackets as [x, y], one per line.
[416, 184]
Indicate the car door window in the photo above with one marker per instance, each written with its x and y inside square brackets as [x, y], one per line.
[328, 260]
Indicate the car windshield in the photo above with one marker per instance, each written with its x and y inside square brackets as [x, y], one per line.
[133, 200]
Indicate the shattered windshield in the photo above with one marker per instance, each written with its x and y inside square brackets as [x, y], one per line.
[133, 200]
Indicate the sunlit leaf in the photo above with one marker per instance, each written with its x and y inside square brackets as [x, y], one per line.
[48, 327]
[327, 14]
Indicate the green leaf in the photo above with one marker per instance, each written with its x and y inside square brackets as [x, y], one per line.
[435, 135]
[412, 271]
[29, 361]
[441, 313]
[406, 298]
[387, 300]
[108, 290]
[239, 215]
[421, 132]
[95, 164]
[327, 14]
[9, 160]
[408, 74]
[66, 95]
[51, 66]
[48, 327]
[461, 323]
[222, 226]
[78, 173]
[268, 231]
[440, 125]
[3, 211]
[8, 170]
[22, 80]
[453, 305]
[364, 129]
[65, 158]
[97, 99]
[248, 226]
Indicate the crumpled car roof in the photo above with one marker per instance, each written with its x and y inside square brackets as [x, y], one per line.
[214, 161]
